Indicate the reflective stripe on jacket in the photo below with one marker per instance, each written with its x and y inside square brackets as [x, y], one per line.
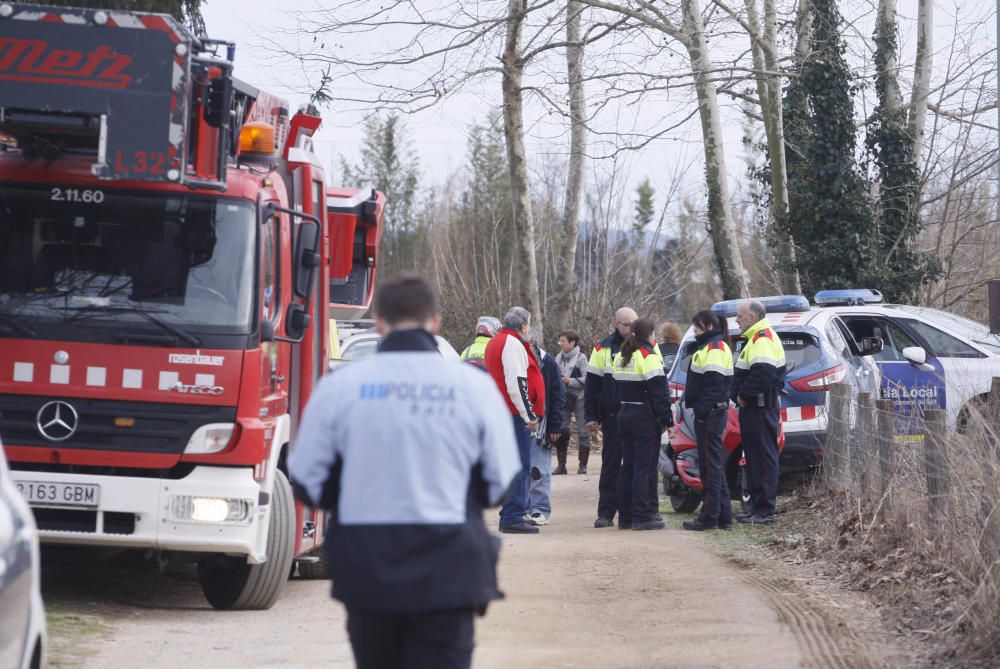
[642, 379]
[475, 352]
[599, 387]
[710, 374]
[760, 368]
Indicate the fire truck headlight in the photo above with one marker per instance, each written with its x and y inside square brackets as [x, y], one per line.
[210, 438]
[190, 509]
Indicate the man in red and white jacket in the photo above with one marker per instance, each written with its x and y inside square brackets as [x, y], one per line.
[514, 368]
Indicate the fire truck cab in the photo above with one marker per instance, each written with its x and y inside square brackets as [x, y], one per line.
[164, 291]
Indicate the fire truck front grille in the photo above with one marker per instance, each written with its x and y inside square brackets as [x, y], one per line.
[75, 520]
[107, 425]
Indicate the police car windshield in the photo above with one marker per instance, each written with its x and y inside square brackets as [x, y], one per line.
[801, 349]
[93, 256]
[958, 325]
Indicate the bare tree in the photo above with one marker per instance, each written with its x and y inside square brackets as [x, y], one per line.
[513, 121]
[574, 171]
[767, 76]
[691, 34]
[921, 75]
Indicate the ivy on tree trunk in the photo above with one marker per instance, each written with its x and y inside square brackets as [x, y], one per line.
[830, 209]
[899, 269]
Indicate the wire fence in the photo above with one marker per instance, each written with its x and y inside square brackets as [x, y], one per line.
[928, 488]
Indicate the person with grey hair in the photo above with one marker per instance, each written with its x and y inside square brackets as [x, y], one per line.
[514, 367]
[540, 488]
[757, 383]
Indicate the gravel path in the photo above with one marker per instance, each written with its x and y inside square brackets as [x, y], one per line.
[576, 597]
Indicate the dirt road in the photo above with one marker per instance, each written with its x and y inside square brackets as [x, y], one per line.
[576, 597]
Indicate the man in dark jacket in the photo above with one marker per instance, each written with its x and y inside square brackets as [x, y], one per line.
[540, 491]
[600, 409]
[392, 447]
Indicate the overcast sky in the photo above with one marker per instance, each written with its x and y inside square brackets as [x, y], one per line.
[439, 134]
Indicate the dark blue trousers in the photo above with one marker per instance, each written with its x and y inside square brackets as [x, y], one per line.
[513, 510]
[640, 441]
[759, 430]
[419, 640]
[611, 464]
[716, 508]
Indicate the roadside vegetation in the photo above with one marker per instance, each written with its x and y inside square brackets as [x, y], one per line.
[931, 563]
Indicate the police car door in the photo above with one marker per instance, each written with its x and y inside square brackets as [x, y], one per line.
[912, 386]
[967, 370]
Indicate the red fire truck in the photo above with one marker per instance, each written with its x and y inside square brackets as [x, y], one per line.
[165, 282]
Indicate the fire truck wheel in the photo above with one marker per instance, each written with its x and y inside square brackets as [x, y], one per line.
[315, 571]
[231, 583]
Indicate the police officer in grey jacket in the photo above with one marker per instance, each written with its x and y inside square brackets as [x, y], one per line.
[573, 366]
[405, 449]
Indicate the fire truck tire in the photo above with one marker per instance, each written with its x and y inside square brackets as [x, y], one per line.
[231, 583]
[315, 571]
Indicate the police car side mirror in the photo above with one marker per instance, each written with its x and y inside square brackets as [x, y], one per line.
[871, 345]
[916, 355]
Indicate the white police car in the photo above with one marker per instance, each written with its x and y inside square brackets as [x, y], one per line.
[930, 359]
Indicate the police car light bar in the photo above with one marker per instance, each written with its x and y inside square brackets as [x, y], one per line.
[772, 304]
[848, 297]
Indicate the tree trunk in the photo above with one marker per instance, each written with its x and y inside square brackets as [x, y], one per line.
[803, 29]
[566, 267]
[513, 122]
[769, 92]
[885, 26]
[720, 215]
[921, 76]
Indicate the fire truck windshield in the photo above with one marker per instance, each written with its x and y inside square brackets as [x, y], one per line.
[133, 261]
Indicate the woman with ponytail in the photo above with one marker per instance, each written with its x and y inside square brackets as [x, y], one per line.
[707, 395]
[643, 414]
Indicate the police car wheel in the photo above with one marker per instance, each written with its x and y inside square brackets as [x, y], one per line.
[231, 583]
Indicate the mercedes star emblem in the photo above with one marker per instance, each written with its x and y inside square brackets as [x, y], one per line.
[57, 421]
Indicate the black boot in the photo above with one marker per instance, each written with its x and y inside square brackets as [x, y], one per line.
[561, 459]
[584, 456]
[698, 525]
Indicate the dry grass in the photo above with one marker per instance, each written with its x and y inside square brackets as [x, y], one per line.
[933, 563]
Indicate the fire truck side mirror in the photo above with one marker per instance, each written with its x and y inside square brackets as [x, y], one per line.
[296, 322]
[307, 258]
[267, 331]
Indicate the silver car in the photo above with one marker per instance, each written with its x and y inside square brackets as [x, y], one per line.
[358, 343]
[22, 616]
